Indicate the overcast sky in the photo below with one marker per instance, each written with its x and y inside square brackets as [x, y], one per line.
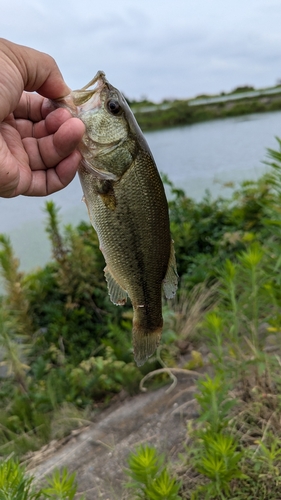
[154, 48]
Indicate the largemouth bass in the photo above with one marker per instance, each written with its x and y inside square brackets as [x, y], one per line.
[127, 207]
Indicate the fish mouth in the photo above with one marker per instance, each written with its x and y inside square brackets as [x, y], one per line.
[88, 99]
[99, 79]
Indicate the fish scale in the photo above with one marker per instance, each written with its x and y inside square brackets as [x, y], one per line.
[128, 209]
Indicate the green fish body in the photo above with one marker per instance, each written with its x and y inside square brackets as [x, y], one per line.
[127, 207]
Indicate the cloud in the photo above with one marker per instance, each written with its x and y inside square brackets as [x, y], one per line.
[172, 49]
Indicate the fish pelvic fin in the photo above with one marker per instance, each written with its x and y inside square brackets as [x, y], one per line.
[116, 293]
[170, 282]
[145, 343]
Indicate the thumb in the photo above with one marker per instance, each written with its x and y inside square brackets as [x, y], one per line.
[23, 68]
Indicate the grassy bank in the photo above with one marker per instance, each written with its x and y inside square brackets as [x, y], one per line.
[151, 116]
[66, 350]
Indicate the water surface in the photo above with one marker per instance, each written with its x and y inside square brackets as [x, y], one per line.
[195, 157]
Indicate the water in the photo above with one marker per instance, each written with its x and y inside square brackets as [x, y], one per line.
[196, 157]
[208, 155]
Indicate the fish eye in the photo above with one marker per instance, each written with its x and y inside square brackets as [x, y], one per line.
[113, 107]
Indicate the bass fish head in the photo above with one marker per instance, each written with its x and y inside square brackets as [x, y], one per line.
[112, 137]
[101, 109]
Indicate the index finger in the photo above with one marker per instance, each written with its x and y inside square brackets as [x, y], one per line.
[33, 107]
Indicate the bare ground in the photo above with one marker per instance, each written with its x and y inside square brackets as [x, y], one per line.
[98, 453]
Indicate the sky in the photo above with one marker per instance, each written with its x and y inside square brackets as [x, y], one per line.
[158, 49]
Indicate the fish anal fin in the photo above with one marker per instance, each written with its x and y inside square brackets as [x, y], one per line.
[117, 295]
[170, 282]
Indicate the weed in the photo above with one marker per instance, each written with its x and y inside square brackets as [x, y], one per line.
[150, 479]
[61, 486]
[220, 462]
[15, 484]
[215, 403]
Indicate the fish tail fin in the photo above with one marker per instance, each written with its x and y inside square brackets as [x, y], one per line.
[145, 342]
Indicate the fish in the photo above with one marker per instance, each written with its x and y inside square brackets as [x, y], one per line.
[127, 207]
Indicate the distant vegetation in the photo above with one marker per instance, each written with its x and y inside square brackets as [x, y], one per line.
[151, 116]
[243, 88]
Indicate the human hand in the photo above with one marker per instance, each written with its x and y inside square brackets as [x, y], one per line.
[38, 143]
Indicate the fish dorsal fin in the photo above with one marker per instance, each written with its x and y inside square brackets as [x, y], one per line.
[170, 282]
[116, 293]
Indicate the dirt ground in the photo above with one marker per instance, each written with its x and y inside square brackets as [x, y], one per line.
[98, 453]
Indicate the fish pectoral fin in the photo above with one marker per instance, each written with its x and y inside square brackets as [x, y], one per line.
[170, 282]
[109, 200]
[105, 190]
[116, 293]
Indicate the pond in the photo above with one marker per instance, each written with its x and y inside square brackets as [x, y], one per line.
[196, 157]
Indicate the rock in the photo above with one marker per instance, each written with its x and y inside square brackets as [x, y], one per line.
[98, 454]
